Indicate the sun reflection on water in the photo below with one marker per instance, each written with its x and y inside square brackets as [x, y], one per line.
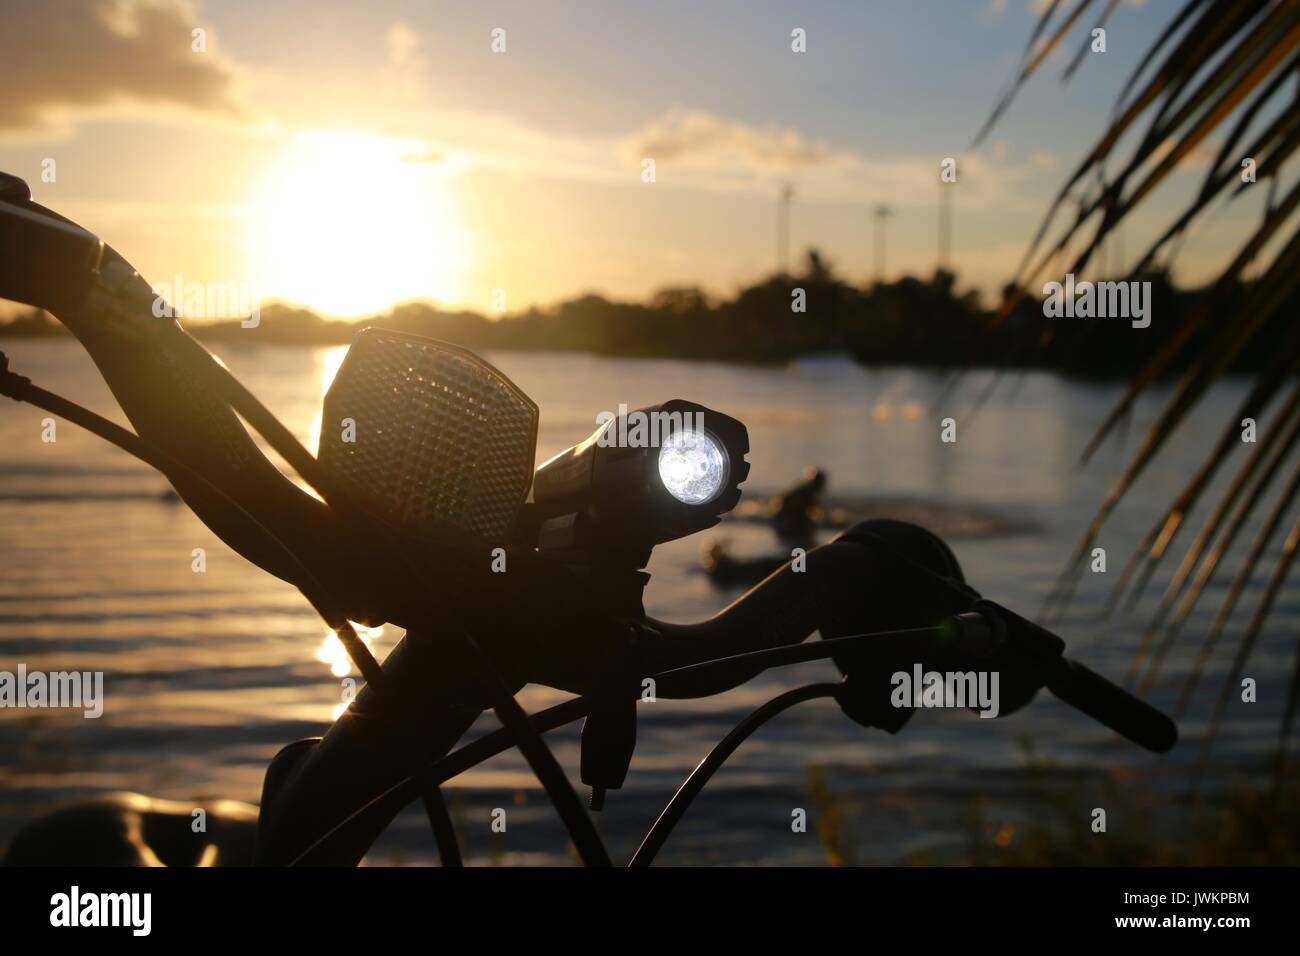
[335, 655]
[331, 650]
[330, 360]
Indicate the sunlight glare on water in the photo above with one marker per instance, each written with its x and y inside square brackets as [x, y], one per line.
[330, 360]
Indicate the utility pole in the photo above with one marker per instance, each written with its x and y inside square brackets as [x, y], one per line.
[945, 224]
[883, 212]
[783, 228]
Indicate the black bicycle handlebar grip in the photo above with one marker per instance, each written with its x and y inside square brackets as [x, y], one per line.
[1113, 706]
[46, 262]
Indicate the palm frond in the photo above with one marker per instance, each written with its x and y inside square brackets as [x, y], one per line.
[1161, 361]
[1247, 643]
[1243, 510]
[1219, 70]
[1166, 530]
[1025, 70]
[1087, 43]
[1264, 298]
[1256, 474]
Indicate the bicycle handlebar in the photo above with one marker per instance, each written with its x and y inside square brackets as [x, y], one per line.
[1081, 687]
[49, 262]
[1111, 705]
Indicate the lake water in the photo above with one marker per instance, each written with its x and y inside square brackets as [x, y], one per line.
[207, 675]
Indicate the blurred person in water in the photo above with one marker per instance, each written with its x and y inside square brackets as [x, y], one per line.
[795, 515]
[798, 509]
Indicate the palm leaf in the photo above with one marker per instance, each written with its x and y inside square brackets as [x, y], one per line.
[1160, 362]
[1163, 533]
[1263, 300]
[1276, 579]
[1025, 71]
[1249, 476]
[1087, 43]
[1218, 70]
[1215, 25]
[1243, 510]
[1113, 206]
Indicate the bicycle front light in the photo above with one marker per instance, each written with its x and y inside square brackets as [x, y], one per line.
[693, 467]
[642, 478]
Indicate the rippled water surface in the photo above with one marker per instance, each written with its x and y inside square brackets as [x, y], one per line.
[207, 675]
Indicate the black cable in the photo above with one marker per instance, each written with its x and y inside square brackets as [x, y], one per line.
[444, 831]
[582, 831]
[498, 741]
[466, 758]
[681, 801]
[21, 389]
[792, 653]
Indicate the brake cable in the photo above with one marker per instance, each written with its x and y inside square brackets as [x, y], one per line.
[497, 742]
[677, 806]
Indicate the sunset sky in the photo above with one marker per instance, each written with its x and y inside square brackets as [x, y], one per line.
[348, 156]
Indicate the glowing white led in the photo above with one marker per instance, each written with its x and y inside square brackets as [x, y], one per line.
[692, 466]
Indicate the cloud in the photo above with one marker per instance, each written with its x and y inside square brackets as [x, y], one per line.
[995, 9]
[701, 140]
[66, 57]
[698, 150]
[1043, 159]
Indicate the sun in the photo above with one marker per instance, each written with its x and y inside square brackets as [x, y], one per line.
[349, 223]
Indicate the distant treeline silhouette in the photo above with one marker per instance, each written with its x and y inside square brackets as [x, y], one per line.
[910, 321]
